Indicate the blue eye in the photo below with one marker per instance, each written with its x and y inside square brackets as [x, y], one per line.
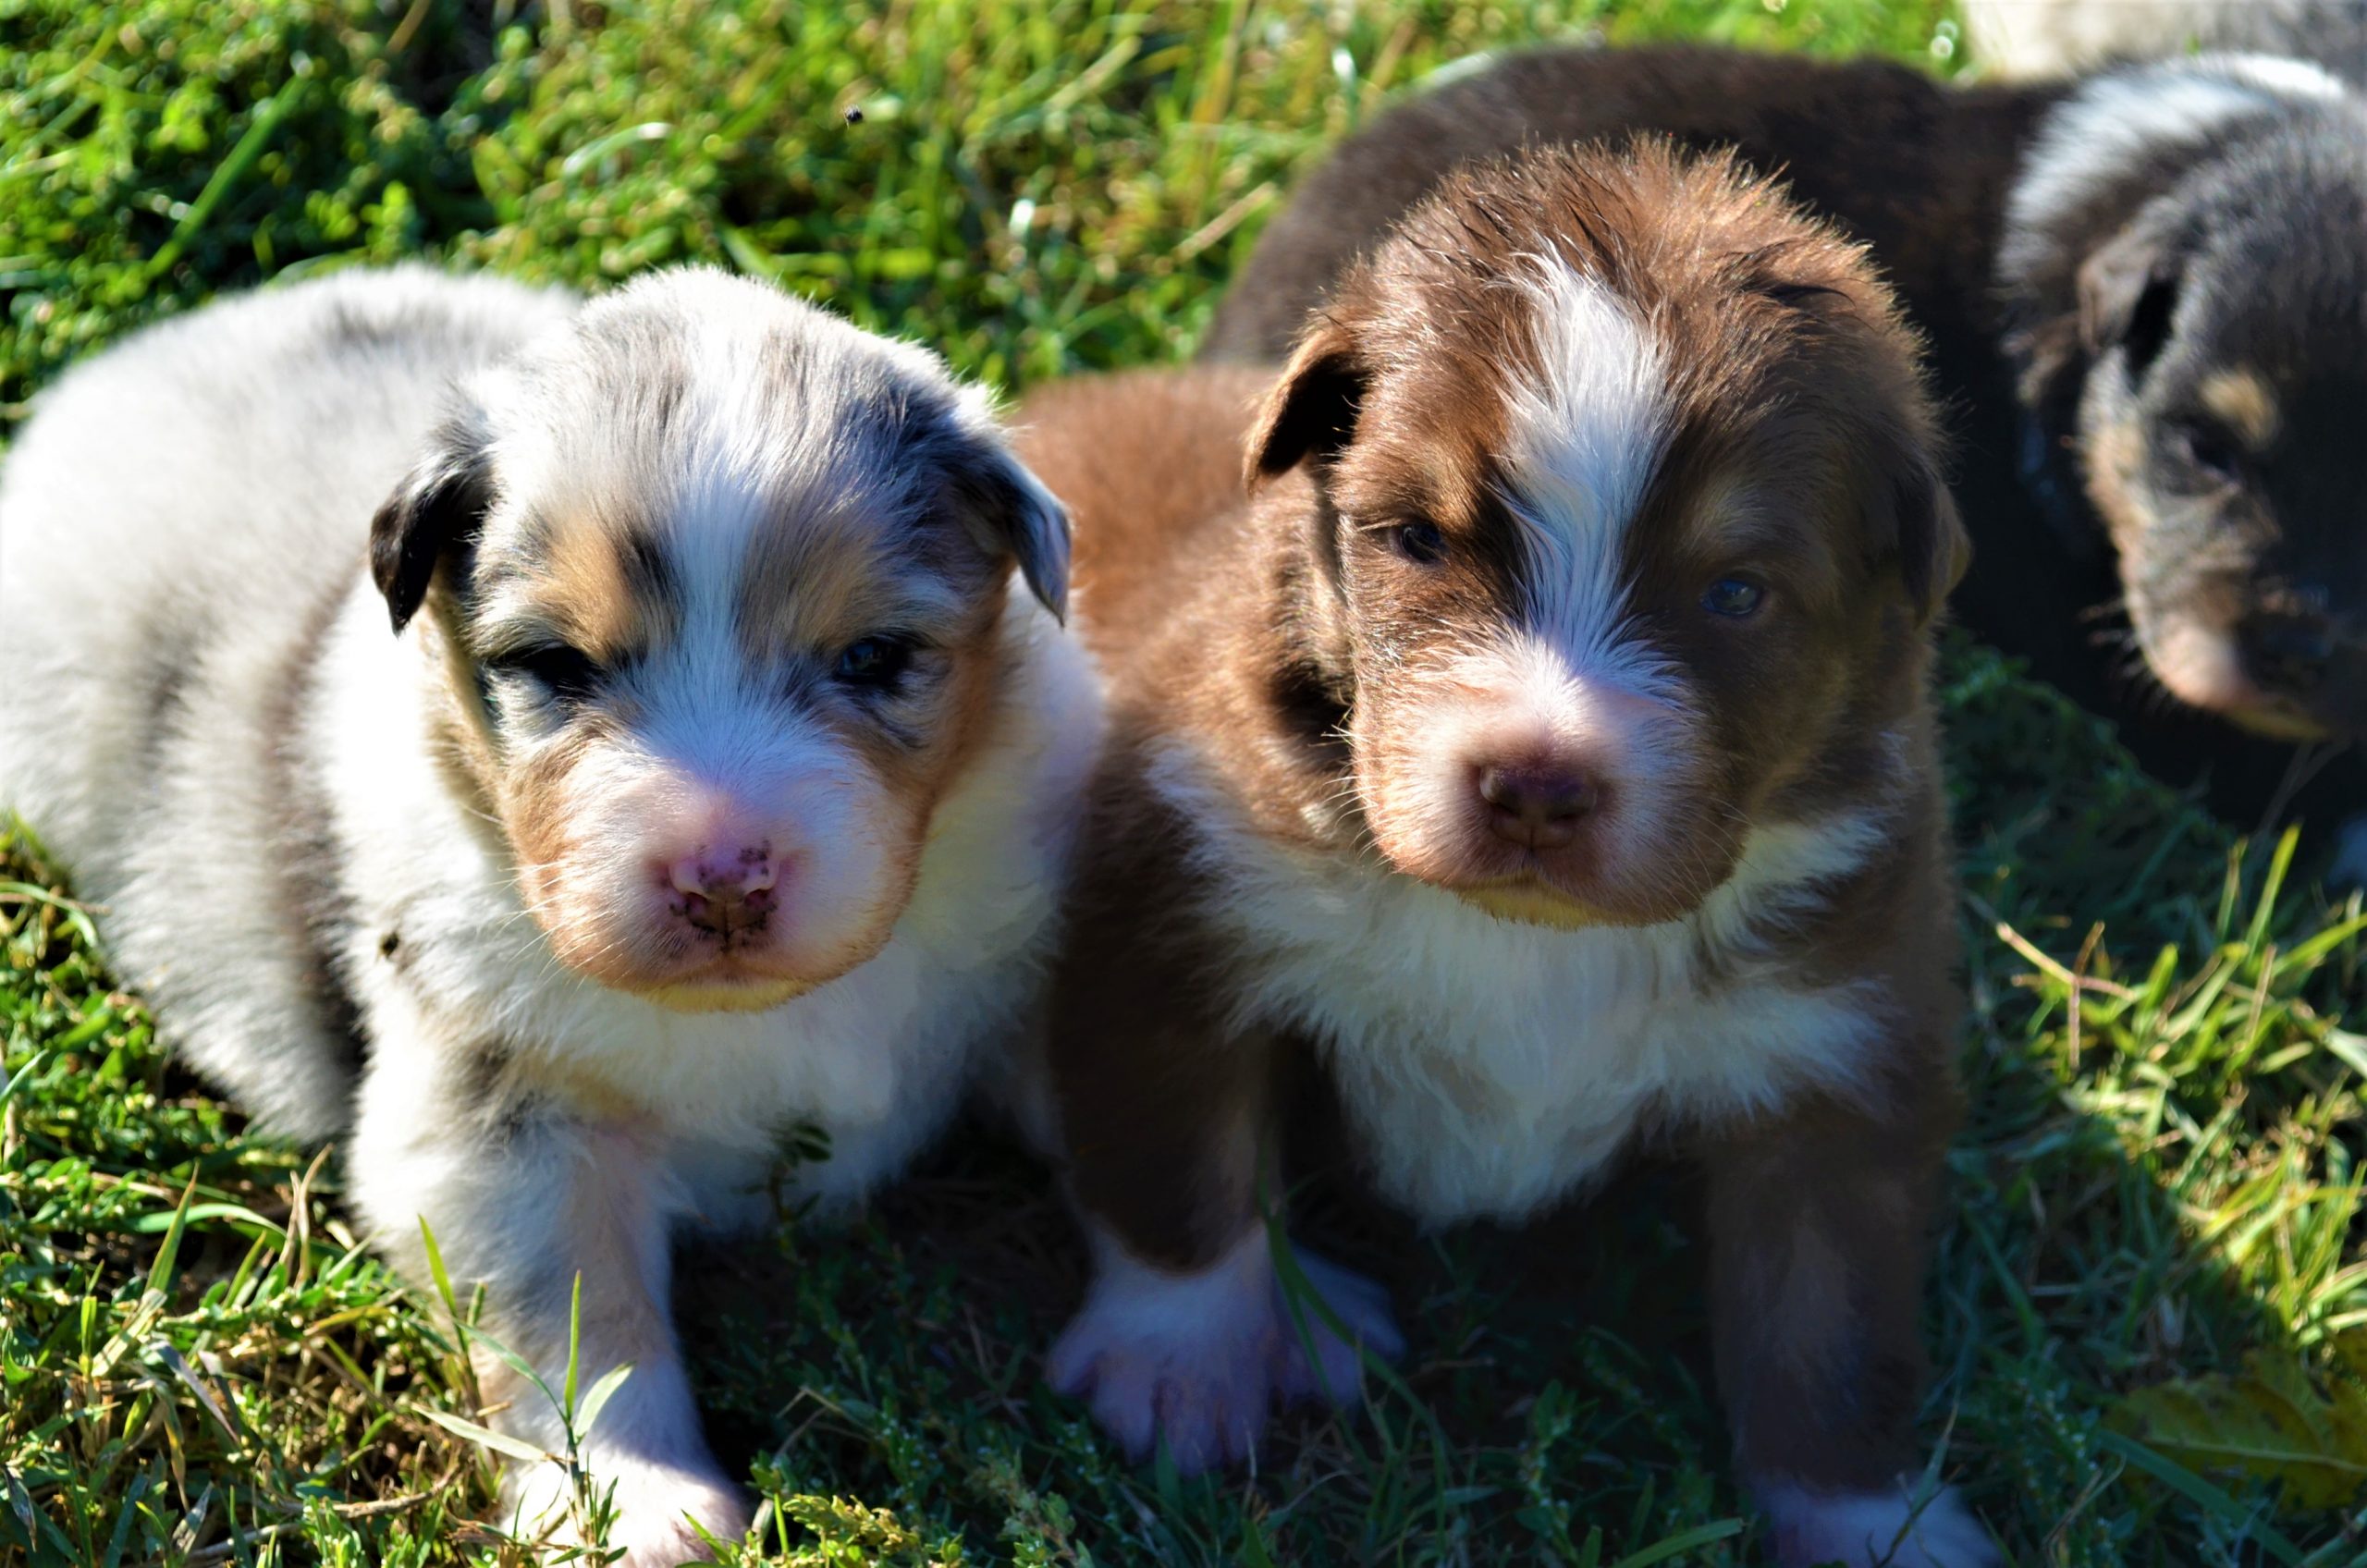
[876, 663]
[1733, 596]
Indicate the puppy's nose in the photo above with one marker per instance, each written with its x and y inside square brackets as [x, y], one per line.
[1538, 808]
[2288, 653]
[727, 892]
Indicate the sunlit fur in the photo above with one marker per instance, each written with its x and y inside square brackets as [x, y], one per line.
[1567, 678]
[1449, 1031]
[1449, 785]
[1520, 693]
[762, 514]
[386, 885]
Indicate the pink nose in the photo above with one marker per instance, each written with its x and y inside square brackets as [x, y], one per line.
[725, 892]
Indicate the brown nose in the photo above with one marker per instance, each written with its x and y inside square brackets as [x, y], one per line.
[725, 894]
[1538, 808]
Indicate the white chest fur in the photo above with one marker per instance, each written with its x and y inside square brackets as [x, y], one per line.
[1489, 1067]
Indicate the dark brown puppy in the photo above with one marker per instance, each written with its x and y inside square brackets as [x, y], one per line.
[1544, 745]
[2142, 292]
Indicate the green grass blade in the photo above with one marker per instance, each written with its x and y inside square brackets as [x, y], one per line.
[2203, 1495]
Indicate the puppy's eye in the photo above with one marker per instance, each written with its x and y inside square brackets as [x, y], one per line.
[2212, 451]
[873, 663]
[1733, 597]
[1420, 542]
[569, 674]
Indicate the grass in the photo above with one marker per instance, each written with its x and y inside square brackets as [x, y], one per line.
[2158, 1204]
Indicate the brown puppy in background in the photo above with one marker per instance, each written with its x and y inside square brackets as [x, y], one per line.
[1544, 744]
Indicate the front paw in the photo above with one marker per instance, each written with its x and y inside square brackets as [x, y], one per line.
[644, 1510]
[1196, 1361]
[1895, 1528]
[1201, 1391]
[1334, 1373]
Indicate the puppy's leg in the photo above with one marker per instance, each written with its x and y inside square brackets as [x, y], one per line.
[1194, 1356]
[1817, 1228]
[1186, 1334]
[525, 1194]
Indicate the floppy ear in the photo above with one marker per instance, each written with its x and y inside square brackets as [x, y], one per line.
[437, 508]
[1021, 518]
[2127, 289]
[1933, 548]
[1311, 412]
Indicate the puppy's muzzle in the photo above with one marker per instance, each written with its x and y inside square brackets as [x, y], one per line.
[1538, 805]
[725, 895]
[2310, 661]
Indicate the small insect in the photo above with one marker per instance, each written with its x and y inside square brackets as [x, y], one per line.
[854, 116]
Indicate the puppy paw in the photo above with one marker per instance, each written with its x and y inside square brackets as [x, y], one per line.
[1334, 1373]
[648, 1517]
[1876, 1529]
[1196, 1361]
[1183, 1359]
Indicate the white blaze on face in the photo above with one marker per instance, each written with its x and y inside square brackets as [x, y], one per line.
[718, 763]
[715, 774]
[727, 764]
[1562, 687]
[1585, 438]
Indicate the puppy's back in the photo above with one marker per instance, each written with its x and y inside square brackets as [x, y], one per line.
[177, 505]
[182, 526]
[1150, 466]
[1906, 163]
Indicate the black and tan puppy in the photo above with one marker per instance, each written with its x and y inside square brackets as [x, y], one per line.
[2143, 292]
[1543, 747]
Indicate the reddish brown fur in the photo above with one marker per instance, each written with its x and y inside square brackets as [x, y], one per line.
[2086, 508]
[1255, 632]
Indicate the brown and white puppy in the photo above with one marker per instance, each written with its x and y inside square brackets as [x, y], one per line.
[1543, 747]
[2141, 293]
[711, 782]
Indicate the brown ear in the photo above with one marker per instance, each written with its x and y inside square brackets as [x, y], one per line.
[439, 506]
[1311, 412]
[1933, 548]
[2129, 286]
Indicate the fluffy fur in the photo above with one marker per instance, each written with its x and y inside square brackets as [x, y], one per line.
[2045, 38]
[616, 859]
[2200, 328]
[1540, 754]
[2141, 292]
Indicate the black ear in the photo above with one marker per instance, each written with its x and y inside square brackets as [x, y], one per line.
[1311, 412]
[437, 508]
[1929, 534]
[2127, 289]
[1023, 518]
